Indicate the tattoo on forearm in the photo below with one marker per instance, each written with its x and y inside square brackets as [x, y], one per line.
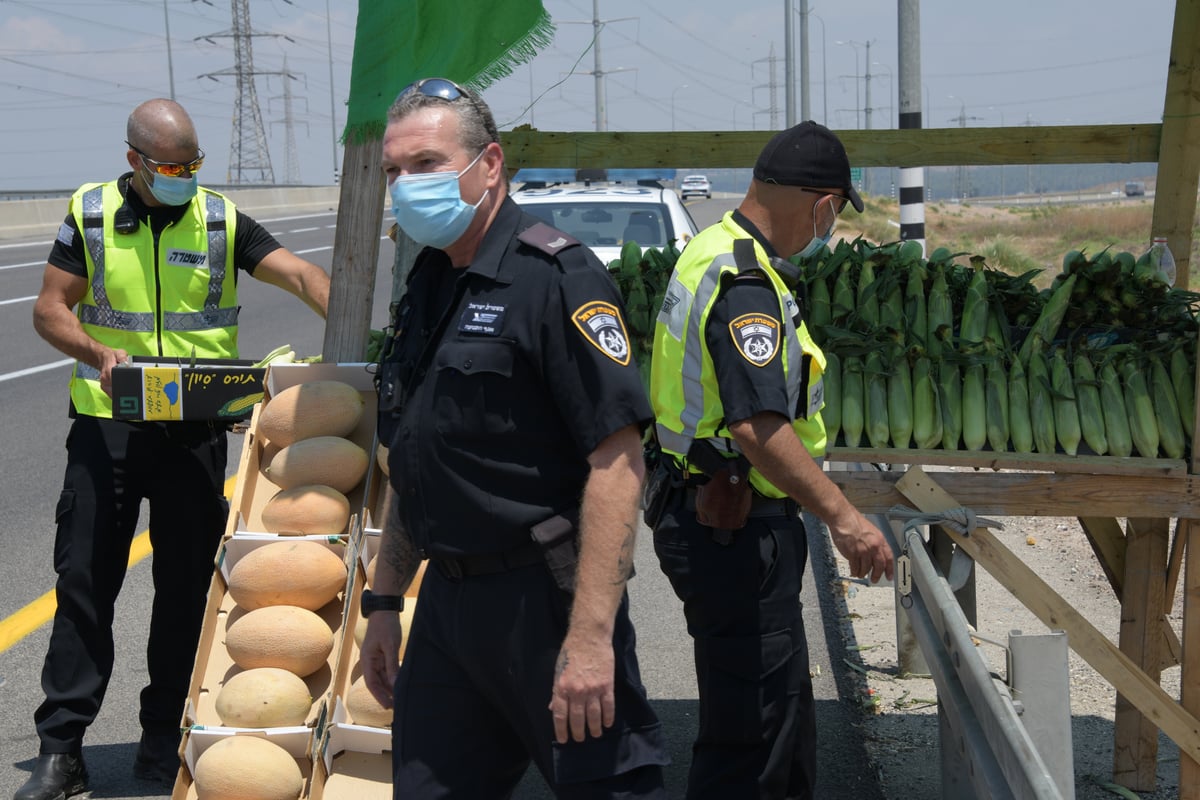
[625, 557]
[396, 548]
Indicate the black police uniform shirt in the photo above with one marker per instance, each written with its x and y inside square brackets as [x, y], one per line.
[251, 242]
[747, 386]
[511, 372]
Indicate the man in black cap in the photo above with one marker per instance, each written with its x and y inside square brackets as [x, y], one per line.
[736, 384]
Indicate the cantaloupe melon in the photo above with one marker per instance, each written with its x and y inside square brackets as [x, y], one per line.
[315, 408]
[364, 709]
[286, 637]
[300, 573]
[327, 460]
[313, 508]
[264, 697]
[381, 458]
[247, 768]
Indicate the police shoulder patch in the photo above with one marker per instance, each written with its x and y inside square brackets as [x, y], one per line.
[548, 240]
[601, 323]
[756, 337]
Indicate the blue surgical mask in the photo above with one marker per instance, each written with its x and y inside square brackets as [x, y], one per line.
[814, 245]
[429, 207]
[172, 191]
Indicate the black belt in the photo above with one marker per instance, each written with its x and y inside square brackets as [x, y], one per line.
[459, 567]
[759, 506]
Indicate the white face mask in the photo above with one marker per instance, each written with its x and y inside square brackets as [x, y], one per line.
[429, 207]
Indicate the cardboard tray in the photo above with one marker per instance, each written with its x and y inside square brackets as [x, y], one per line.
[149, 388]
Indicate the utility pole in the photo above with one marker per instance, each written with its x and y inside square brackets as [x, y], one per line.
[332, 107]
[805, 80]
[597, 71]
[789, 67]
[291, 154]
[770, 85]
[170, 61]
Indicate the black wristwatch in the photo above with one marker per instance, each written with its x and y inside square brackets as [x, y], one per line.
[379, 602]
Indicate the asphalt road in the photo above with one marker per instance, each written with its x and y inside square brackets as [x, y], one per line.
[33, 378]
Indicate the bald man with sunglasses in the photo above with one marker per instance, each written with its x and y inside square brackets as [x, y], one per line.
[143, 265]
[736, 388]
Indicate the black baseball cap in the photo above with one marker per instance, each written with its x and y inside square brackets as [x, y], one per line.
[808, 154]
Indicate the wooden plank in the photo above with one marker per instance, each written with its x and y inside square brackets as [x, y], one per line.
[1108, 542]
[1189, 678]
[1182, 727]
[1135, 737]
[1179, 149]
[1013, 494]
[987, 459]
[930, 147]
[355, 253]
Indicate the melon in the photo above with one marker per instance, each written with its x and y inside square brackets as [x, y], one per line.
[286, 637]
[247, 768]
[327, 460]
[364, 708]
[300, 573]
[264, 697]
[315, 408]
[381, 458]
[309, 509]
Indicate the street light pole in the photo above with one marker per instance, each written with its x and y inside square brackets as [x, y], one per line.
[824, 73]
[673, 91]
[857, 101]
[170, 64]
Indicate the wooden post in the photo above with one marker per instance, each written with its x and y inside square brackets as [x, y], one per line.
[355, 254]
[1189, 678]
[1179, 149]
[1135, 738]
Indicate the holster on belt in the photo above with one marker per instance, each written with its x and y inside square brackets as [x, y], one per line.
[557, 538]
[723, 503]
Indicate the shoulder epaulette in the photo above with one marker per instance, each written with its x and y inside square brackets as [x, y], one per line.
[549, 240]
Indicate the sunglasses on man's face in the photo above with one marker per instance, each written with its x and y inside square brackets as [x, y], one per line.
[443, 88]
[172, 169]
[838, 201]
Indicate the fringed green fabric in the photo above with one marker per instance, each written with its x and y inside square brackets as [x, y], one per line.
[473, 42]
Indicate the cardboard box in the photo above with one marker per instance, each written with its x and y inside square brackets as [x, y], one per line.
[149, 388]
[213, 665]
[253, 489]
[297, 741]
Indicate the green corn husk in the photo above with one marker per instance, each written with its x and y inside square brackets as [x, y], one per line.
[820, 314]
[831, 412]
[974, 323]
[927, 406]
[915, 315]
[1041, 403]
[876, 421]
[950, 389]
[1066, 410]
[900, 398]
[866, 298]
[843, 302]
[996, 401]
[1020, 428]
[1116, 416]
[1087, 394]
[1046, 327]
[1143, 425]
[853, 400]
[974, 408]
[1166, 410]
[939, 317]
[1183, 378]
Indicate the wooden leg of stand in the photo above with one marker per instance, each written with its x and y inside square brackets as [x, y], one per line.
[1189, 769]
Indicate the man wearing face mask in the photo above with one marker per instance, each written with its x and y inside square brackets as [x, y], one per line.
[514, 413]
[143, 265]
[736, 389]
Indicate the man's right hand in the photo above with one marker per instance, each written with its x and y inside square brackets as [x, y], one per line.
[108, 360]
[863, 545]
[380, 655]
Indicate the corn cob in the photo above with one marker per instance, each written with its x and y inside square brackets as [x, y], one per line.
[852, 400]
[939, 316]
[1166, 410]
[1066, 410]
[876, 421]
[900, 398]
[842, 302]
[1143, 427]
[1183, 378]
[974, 410]
[1020, 429]
[1116, 417]
[866, 299]
[238, 405]
[831, 412]
[927, 407]
[974, 312]
[820, 313]
[915, 315]
[950, 389]
[1046, 327]
[996, 401]
[891, 306]
[1041, 403]
[1087, 394]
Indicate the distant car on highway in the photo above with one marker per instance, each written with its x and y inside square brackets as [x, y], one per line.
[605, 213]
[695, 184]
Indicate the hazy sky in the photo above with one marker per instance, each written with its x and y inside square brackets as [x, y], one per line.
[71, 70]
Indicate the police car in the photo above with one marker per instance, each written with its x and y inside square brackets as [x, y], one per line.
[606, 208]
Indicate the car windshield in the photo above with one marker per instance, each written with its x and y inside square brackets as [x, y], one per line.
[600, 224]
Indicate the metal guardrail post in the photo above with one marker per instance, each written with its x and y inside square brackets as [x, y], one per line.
[1039, 677]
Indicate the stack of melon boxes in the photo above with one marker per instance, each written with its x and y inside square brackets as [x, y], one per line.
[276, 709]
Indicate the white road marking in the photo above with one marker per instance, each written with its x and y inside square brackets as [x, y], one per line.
[23, 372]
[18, 299]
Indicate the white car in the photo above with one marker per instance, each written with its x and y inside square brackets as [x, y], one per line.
[695, 184]
[604, 215]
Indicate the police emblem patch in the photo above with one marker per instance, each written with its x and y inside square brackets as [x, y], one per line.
[756, 337]
[602, 325]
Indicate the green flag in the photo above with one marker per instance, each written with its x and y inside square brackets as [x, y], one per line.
[473, 42]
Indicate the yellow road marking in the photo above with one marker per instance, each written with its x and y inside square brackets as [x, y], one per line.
[36, 614]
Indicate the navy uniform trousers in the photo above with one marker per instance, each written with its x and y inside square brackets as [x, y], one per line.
[179, 467]
[741, 600]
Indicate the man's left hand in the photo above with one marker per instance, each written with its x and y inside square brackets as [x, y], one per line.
[582, 699]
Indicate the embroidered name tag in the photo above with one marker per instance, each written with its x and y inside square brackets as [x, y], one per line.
[482, 318]
[186, 258]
